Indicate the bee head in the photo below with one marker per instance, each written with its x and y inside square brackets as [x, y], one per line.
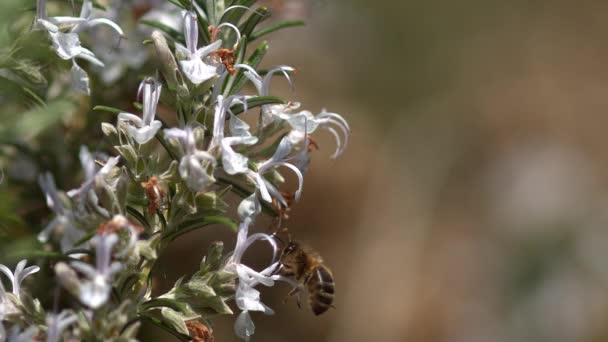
[291, 247]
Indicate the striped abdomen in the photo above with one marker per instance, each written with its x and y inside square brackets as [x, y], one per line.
[320, 290]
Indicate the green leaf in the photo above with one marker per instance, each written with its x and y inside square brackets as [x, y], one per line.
[174, 319]
[171, 32]
[163, 302]
[193, 224]
[35, 97]
[235, 15]
[254, 20]
[213, 260]
[215, 8]
[108, 109]
[29, 70]
[203, 27]
[254, 60]
[275, 27]
[161, 324]
[256, 101]
[36, 120]
[138, 216]
[164, 143]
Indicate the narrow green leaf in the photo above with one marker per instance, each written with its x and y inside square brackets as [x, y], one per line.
[215, 8]
[157, 322]
[256, 101]
[36, 120]
[254, 60]
[138, 216]
[275, 27]
[108, 109]
[163, 303]
[172, 33]
[190, 225]
[235, 15]
[175, 320]
[164, 143]
[33, 95]
[254, 20]
[203, 24]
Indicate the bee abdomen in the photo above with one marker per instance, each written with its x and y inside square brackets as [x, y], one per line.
[321, 290]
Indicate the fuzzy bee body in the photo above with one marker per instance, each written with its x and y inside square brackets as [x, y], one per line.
[320, 289]
[307, 268]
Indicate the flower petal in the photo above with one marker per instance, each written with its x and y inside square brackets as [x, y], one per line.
[197, 71]
[146, 133]
[243, 326]
[80, 80]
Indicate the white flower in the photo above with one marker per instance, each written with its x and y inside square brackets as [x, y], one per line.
[67, 44]
[301, 122]
[64, 221]
[95, 290]
[193, 66]
[247, 298]
[269, 112]
[195, 165]
[143, 130]
[279, 159]
[129, 55]
[232, 162]
[57, 324]
[21, 272]
[86, 192]
[306, 122]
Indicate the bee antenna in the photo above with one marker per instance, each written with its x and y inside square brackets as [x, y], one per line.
[275, 235]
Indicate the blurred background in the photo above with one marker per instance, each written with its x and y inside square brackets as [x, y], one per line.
[471, 204]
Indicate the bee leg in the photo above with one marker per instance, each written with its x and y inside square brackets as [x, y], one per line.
[294, 291]
[299, 300]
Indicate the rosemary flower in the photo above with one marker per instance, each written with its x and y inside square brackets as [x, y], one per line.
[193, 65]
[195, 166]
[232, 162]
[95, 290]
[63, 223]
[67, 44]
[57, 324]
[145, 128]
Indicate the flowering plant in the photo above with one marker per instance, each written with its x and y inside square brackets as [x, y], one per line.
[173, 167]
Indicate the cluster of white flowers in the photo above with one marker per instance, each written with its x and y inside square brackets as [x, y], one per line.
[64, 33]
[211, 150]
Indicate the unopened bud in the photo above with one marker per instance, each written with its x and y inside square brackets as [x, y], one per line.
[168, 64]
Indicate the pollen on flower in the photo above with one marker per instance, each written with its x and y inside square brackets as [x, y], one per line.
[212, 32]
[199, 331]
[282, 211]
[155, 194]
[227, 58]
[312, 144]
[115, 225]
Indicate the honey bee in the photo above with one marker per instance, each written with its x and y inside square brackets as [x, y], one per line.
[306, 266]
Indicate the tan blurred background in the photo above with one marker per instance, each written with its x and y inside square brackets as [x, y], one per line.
[471, 203]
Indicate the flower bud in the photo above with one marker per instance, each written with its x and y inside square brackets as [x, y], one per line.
[168, 64]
